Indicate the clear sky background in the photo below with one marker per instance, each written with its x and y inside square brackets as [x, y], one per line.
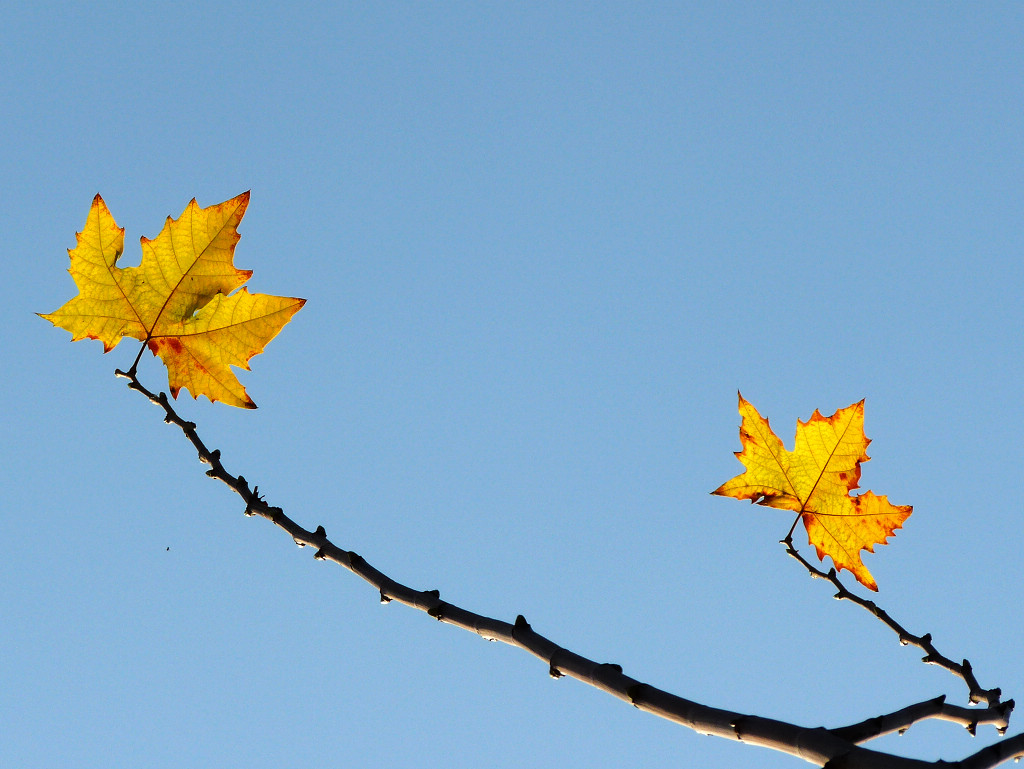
[543, 246]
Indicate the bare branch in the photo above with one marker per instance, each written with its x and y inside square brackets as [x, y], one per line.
[831, 748]
[995, 754]
[976, 694]
[938, 708]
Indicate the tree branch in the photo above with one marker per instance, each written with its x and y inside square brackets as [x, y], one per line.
[932, 657]
[903, 719]
[830, 748]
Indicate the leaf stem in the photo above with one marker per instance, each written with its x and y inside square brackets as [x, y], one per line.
[789, 534]
[135, 364]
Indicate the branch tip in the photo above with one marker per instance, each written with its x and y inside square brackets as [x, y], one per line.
[320, 555]
[384, 597]
[554, 672]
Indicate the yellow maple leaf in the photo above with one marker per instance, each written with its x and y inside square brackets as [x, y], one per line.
[178, 301]
[815, 481]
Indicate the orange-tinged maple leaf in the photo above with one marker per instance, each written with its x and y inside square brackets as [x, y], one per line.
[815, 480]
[178, 301]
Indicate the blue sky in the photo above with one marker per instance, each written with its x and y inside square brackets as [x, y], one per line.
[543, 245]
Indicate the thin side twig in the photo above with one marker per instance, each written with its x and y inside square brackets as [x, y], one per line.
[976, 694]
[938, 708]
